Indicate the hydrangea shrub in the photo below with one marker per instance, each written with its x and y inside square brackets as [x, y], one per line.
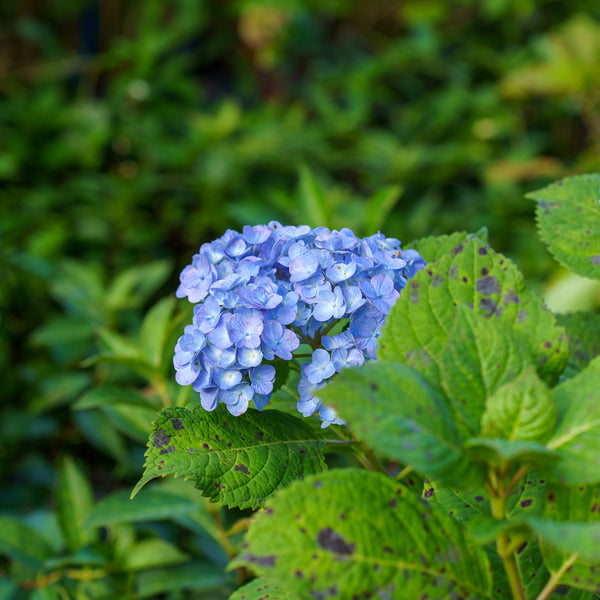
[475, 414]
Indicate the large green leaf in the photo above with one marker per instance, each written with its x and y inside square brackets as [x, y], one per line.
[577, 435]
[154, 330]
[74, 502]
[480, 356]
[237, 461]
[418, 326]
[394, 411]
[350, 533]
[522, 409]
[152, 505]
[568, 215]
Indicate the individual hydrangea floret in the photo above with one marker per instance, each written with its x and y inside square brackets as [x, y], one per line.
[270, 291]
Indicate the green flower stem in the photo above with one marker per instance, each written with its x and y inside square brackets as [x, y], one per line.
[497, 489]
[555, 578]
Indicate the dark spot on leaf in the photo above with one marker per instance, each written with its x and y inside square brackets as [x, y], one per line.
[465, 280]
[269, 511]
[177, 424]
[261, 561]
[488, 306]
[160, 438]
[328, 539]
[168, 450]
[550, 496]
[393, 502]
[342, 516]
[521, 547]
[595, 259]
[458, 248]
[206, 446]
[260, 435]
[595, 507]
[526, 503]
[318, 484]
[547, 344]
[428, 493]
[488, 285]
[482, 251]
[388, 550]
[479, 498]
[438, 280]
[373, 386]
[242, 468]
[298, 574]
[510, 298]
[484, 271]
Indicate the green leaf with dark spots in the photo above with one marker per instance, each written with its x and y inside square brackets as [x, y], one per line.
[237, 461]
[583, 331]
[352, 533]
[263, 589]
[433, 247]
[569, 530]
[419, 324]
[568, 215]
[391, 408]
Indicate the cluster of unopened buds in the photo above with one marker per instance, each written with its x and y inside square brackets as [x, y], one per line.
[261, 294]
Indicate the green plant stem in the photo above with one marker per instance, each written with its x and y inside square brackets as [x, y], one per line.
[371, 462]
[555, 578]
[227, 545]
[497, 491]
[408, 469]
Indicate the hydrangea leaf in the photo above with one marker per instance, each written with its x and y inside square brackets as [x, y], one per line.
[418, 326]
[352, 533]
[522, 409]
[495, 451]
[392, 409]
[528, 497]
[480, 356]
[435, 246]
[583, 331]
[568, 215]
[237, 461]
[262, 589]
[567, 506]
[473, 509]
[577, 436]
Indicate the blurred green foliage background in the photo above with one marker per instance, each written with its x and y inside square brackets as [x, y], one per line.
[132, 132]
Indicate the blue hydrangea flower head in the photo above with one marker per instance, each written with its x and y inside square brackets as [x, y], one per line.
[261, 294]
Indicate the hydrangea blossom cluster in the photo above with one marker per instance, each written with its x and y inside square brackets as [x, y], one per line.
[262, 293]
